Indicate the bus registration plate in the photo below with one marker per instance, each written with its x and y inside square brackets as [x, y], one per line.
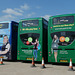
[63, 60]
[29, 58]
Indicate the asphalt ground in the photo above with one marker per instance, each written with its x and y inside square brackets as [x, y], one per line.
[19, 68]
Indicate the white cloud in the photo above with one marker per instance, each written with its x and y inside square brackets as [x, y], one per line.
[31, 14]
[17, 13]
[25, 7]
[38, 7]
[19, 10]
[46, 17]
[7, 18]
[11, 11]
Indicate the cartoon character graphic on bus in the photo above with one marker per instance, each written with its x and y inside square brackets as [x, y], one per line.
[36, 48]
[55, 46]
[5, 48]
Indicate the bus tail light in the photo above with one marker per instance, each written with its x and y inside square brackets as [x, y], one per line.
[40, 52]
[49, 52]
[20, 29]
[51, 27]
[39, 28]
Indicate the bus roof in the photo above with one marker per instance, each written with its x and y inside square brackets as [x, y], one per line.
[7, 21]
[62, 15]
[39, 18]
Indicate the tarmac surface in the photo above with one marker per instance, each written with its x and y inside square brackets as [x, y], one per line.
[19, 68]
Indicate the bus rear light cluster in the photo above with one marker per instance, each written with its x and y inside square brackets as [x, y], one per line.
[39, 28]
[51, 27]
[20, 29]
[40, 52]
[49, 52]
[18, 51]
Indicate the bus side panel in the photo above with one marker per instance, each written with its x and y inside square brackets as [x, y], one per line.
[14, 40]
[18, 43]
[10, 42]
[8, 56]
[50, 52]
[40, 51]
[45, 41]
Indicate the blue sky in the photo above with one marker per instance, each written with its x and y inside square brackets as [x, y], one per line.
[21, 9]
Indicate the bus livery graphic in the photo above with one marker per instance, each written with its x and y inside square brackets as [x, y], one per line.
[31, 40]
[8, 45]
[61, 35]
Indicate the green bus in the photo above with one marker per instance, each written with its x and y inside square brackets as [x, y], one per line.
[32, 39]
[61, 38]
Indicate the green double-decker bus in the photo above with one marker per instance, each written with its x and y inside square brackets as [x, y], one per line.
[32, 39]
[61, 38]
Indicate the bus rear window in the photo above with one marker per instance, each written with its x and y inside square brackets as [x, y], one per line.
[63, 20]
[27, 38]
[30, 23]
[65, 37]
[4, 25]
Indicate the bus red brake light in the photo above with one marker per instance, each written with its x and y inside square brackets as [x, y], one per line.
[49, 52]
[20, 29]
[39, 28]
[40, 52]
[51, 27]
